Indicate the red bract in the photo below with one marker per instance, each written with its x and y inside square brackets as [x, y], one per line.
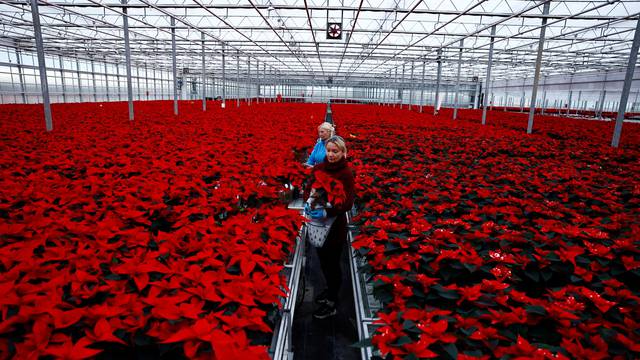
[71, 351]
[165, 229]
[529, 241]
[168, 229]
[331, 186]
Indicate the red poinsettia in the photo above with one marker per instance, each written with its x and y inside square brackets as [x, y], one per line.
[519, 234]
[330, 187]
[137, 231]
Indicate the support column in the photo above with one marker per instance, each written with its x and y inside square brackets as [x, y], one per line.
[257, 81]
[626, 87]
[264, 75]
[64, 88]
[422, 86]
[456, 98]
[570, 94]
[204, 80]
[44, 85]
[396, 91]
[127, 51]
[578, 105]
[274, 87]
[79, 81]
[493, 95]
[118, 80]
[536, 78]
[93, 80]
[224, 79]
[476, 96]
[401, 90]
[106, 79]
[138, 82]
[488, 80]
[435, 106]
[161, 84]
[155, 84]
[544, 94]
[23, 92]
[506, 95]
[411, 88]
[385, 101]
[237, 79]
[249, 81]
[146, 81]
[522, 99]
[603, 94]
[214, 91]
[174, 66]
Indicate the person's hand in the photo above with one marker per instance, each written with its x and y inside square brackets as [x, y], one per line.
[318, 214]
[308, 166]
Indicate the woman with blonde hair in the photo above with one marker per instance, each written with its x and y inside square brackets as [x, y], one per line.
[337, 168]
[325, 131]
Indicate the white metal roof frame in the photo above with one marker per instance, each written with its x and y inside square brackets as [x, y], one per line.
[379, 36]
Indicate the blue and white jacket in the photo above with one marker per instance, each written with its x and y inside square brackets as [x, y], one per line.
[318, 154]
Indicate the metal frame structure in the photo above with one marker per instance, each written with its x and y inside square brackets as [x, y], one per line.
[83, 50]
[379, 37]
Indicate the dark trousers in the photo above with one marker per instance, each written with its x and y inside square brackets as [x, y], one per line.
[329, 255]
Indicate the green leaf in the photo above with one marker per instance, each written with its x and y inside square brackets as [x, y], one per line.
[535, 309]
[362, 343]
[475, 353]
[113, 277]
[533, 275]
[469, 267]
[410, 326]
[468, 332]
[452, 350]
[403, 340]
[446, 293]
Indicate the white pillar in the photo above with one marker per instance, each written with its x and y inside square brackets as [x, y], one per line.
[44, 85]
[488, 80]
[127, 51]
[174, 66]
[626, 87]
[456, 98]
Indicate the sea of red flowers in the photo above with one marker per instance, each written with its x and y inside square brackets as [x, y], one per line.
[485, 242]
[167, 235]
[164, 236]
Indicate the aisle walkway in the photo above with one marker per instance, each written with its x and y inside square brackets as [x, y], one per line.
[329, 338]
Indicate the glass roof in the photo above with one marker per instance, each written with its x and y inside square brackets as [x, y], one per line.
[379, 38]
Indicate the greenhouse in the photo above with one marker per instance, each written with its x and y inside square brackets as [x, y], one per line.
[283, 179]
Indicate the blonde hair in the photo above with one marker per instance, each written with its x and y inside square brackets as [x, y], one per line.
[327, 126]
[339, 142]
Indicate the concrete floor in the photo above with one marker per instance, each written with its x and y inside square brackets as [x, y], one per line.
[329, 338]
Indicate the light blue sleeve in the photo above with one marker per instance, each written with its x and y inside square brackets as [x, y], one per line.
[317, 154]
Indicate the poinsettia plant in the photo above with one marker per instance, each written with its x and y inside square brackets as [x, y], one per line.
[484, 242]
[119, 238]
[326, 191]
[152, 237]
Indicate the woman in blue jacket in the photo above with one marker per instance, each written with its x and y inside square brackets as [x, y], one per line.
[325, 131]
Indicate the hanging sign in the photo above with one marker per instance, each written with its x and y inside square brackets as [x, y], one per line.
[334, 31]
